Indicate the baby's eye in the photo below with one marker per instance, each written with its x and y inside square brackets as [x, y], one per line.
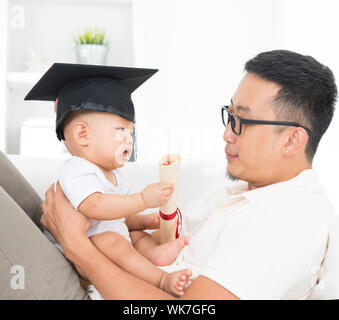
[125, 131]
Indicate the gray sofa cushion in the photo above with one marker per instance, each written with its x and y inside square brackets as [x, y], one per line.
[26, 256]
[23, 247]
[13, 182]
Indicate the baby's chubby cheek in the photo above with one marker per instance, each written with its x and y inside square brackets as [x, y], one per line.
[119, 136]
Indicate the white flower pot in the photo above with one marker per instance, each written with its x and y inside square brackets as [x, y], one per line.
[91, 54]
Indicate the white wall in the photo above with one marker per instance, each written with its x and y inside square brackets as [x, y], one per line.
[3, 70]
[50, 26]
[311, 27]
[200, 48]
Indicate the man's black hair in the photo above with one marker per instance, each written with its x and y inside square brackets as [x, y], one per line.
[308, 91]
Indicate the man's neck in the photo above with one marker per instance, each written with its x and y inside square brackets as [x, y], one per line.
[283, 175]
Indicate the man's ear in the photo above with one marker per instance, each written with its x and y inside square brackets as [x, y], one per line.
[80, 133]
[296, 140]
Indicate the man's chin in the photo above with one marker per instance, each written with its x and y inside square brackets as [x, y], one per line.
[231, 177]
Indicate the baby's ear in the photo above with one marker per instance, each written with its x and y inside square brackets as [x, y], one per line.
[80, 132]
[56, 105]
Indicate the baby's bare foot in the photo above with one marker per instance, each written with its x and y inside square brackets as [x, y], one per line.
[166, 253]
[174, 283]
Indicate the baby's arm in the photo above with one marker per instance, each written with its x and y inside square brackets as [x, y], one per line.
[111, 206]
[114, 206]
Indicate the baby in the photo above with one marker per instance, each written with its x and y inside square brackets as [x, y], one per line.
[101, 143]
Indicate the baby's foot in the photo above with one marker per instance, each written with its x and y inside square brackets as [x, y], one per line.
[174, 283]
[166, 253]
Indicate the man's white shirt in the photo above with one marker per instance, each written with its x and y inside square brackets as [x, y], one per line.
[267, 243]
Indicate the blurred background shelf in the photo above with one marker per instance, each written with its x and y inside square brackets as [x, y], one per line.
[24, 80]
[38, 33]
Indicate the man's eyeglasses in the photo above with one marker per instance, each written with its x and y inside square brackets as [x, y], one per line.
[237, 122]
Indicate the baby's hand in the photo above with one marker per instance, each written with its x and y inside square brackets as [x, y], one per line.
[150, 221]
[157, 194]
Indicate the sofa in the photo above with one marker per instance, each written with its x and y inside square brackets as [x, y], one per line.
[58, 279]
[20, 215]
[196, 178]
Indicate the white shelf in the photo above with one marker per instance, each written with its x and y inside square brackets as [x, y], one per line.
[40, 39]
[22, 79]
[43, 131]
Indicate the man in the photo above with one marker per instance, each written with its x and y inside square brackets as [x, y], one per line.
[263, 238]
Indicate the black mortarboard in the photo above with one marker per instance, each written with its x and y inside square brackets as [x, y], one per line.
[89, 87]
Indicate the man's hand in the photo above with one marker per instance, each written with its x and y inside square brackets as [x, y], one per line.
[157, 194]
[61, 219]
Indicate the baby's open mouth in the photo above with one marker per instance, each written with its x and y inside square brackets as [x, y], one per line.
[127, 153]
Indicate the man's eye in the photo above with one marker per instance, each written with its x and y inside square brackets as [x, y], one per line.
[121, 129]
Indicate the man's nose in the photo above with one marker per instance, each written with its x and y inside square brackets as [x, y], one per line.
[229, 135]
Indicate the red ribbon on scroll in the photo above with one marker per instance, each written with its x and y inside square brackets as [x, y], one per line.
[172, 216]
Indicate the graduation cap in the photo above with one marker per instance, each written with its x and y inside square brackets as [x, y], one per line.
[89, 87]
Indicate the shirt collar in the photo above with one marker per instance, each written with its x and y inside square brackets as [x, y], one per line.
[306, 180]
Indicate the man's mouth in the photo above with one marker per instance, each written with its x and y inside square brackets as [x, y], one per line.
[230, 155]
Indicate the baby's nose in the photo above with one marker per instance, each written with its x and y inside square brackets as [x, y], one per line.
[129, 138]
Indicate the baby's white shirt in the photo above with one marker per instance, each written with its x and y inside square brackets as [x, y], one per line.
[79, 178]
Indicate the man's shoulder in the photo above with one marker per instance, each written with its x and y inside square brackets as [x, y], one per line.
[301, 197]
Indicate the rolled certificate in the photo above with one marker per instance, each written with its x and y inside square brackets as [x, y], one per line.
[169, 171]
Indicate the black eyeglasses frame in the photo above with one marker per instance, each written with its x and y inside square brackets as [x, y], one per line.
[242, 121]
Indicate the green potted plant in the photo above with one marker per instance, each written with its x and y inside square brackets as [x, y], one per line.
[91, 47]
